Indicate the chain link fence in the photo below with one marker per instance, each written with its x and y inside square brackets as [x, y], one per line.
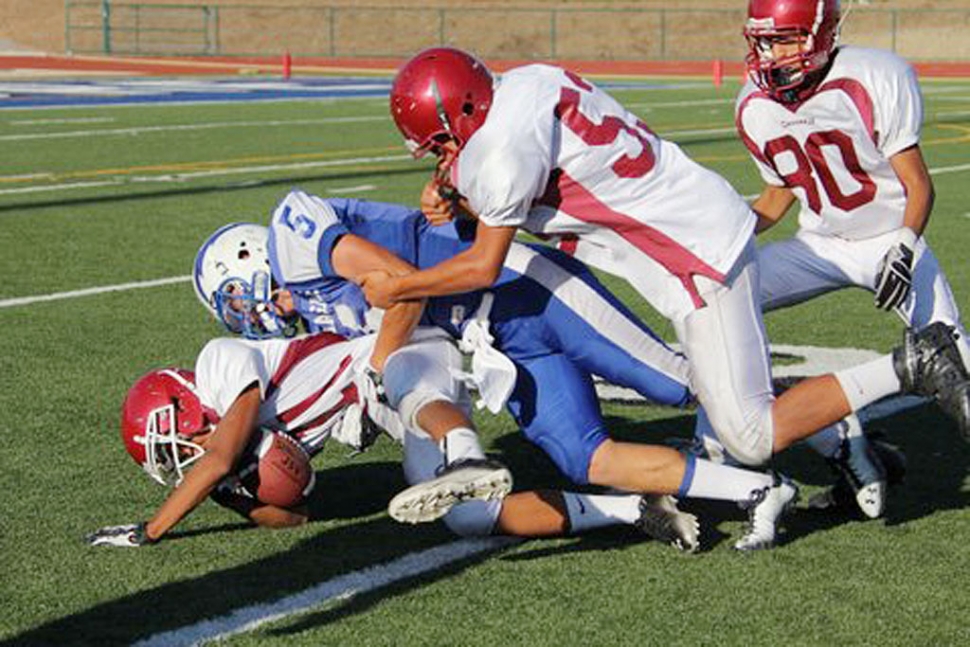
[104, 26]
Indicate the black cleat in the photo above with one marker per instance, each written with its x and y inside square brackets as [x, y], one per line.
[929, 363]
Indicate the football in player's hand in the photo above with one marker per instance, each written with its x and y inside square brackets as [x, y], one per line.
[279, 473]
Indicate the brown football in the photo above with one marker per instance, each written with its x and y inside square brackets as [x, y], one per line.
[283, 475]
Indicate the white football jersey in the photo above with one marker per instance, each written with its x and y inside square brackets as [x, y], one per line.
[306, 383]
[833, 149]
[560, 158]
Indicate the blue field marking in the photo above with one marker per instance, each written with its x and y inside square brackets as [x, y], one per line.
[29, 94]
[104, 92]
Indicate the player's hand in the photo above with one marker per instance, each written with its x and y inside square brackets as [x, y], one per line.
[894, 275]
[438, 202]
[377, 287]
[125, 536]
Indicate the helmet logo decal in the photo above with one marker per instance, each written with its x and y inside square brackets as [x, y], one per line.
[440, 106]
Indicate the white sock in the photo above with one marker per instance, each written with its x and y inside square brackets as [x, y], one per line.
[707, 480]
[866, 383]
[461, 443]
[588, 511]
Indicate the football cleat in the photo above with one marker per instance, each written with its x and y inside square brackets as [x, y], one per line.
[662, 520]
[862, 470]
[465, 480]
[929, 363]
[841, 494]
[765, 508]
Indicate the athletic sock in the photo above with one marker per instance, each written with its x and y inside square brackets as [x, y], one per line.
[461, 443]
[706, 480]
[866, 383]
[588, 511]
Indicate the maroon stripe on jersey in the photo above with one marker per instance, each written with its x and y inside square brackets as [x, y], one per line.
[745, 138]
[294, 412]
[860, 97]
[296, 351]
[348, 396]
[571, 197]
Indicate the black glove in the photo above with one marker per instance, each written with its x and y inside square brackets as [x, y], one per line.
[894, 276]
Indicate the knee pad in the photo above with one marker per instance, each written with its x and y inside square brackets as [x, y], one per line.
[419, 374]
[473, 518]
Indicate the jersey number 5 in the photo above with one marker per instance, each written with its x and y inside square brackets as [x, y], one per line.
[811, 157]
[604, 133]
[301, 224]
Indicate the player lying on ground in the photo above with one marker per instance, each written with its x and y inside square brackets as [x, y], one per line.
[837, 129]
[548, 315]
[549, 152]
[197, 431]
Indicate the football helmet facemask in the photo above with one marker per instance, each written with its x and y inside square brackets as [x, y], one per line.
[813, 24]
[232, 278]
[160, 416]
[441, 93]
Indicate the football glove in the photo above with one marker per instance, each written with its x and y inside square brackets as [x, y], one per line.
[126, 536]
[894, 275]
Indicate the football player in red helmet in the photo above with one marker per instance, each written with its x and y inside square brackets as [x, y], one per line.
[837, 129]
[790, 44]
[160, 418]
[441, 94]
[167, 429]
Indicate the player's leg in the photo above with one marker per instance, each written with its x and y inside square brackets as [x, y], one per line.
[791, 272]
[556, 406]
[545, 513]
[728, 350]
[421, 386]
[596, 331]
[932, 299]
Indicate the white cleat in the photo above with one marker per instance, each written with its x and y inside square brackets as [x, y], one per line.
[765, 508]
[483, 480]
[860, 465]
[661, 519]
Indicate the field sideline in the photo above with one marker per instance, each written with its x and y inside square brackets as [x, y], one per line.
[101, 211]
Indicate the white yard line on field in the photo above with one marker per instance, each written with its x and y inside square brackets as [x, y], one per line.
[122, 287]
[138, 130]
[340, 589]
[75, 120]
[679, 104]
[216, 172]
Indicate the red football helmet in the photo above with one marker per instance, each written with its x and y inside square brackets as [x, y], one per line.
[442, 92]
[160, 415]
[814, 24]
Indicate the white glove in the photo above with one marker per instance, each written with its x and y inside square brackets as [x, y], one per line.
[894, 275]
[357, 430]
[126, 536]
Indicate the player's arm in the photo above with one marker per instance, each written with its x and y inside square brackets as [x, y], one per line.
[910, 168]
[476, 268]
[222, 452]
[894, 273]
[771, 206]
[262, 514]
[353, 258]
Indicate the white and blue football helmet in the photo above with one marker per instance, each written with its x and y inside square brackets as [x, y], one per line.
[233, 279]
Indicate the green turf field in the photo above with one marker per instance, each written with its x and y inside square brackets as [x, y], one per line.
[96, 197]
